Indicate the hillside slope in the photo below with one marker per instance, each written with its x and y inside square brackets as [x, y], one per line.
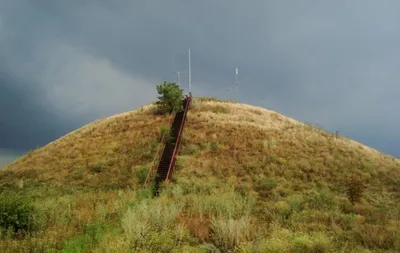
[248, 180]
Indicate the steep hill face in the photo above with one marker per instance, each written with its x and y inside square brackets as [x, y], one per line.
[248, 180]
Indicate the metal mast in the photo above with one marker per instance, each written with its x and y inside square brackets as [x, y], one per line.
[190, 76]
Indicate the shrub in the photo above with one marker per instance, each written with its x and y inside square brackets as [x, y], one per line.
[143, 194]
[283, 209]
[94, 231]
[75, 244]
[17, 214]
[270, 184]
[321, 243]
[145, 218]
[179, 162]
[83, 242]
[170, 99]
[265, 186]
[215, 146]
[274, 245]
[204, 145]
[230, 233]
[296, 203]
[320, 200]
[141, 175]
[354, 189]
[154, 146]
[378, 236]
[243, 190]
[163, 241]
[347, 220]
[226, 203]
[302, 244]
[78, 173]
[191, 150]
[98, 168]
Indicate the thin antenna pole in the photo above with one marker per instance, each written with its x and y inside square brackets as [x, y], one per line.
[236, 76]
[236, 79]
[236, 83]
[190, 76]
[179, 79]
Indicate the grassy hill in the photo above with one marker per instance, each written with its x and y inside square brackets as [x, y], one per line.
[247, 180]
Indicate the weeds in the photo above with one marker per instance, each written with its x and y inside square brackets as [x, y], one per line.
[354, 189]
[165, 133]
[98, 168]
[141, 175]
[17, 214]
[141, 221]
[266, 185]
[230, 233]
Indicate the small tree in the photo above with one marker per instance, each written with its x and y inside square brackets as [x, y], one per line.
[355, 188]
[171, 97]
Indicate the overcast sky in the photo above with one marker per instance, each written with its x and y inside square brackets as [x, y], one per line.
[66, 63]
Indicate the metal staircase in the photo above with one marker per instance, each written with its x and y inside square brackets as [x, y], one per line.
[167, 162]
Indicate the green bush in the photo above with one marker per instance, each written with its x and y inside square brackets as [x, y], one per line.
[78, 173]
[302, 244]
[243, 190]
[179, 162]
[83, 242]
[17, 214]
[320, 200]
[141, 175]
[191, 150]
[215, 146]
[229, 233]
[171, 97]
[266, 185]
[98, 168]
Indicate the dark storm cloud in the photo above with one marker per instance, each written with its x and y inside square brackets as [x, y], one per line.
[25, 121]
[335, 63]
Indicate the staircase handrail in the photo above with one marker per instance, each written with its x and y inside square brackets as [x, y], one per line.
[178, 140]
[157, 156]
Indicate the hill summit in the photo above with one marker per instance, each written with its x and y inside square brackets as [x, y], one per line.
[247, 180]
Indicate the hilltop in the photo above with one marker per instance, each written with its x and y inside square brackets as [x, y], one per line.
[248, 180]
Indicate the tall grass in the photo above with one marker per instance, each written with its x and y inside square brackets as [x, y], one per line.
[249, 180]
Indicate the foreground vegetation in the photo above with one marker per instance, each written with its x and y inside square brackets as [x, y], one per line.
[248, 180]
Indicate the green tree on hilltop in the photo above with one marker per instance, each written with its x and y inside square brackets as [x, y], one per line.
[170, 99]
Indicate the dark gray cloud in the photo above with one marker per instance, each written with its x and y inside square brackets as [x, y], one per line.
[333, 63]
[26, 120]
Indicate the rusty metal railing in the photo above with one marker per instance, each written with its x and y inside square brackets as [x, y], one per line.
[157, 157]
[179, 138]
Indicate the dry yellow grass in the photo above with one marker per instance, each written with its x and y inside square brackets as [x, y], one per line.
[299, 176]
[106, 139]
[116, 144]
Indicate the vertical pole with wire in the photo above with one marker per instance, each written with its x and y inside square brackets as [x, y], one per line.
[236, 83]
[236, 76]
[190, 76]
